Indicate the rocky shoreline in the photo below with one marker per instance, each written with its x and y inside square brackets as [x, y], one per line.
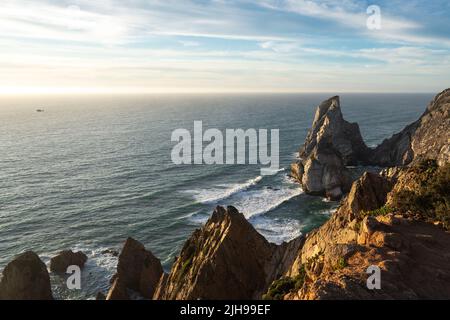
[397, 220]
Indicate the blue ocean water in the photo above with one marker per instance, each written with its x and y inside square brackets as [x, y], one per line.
[91, 171]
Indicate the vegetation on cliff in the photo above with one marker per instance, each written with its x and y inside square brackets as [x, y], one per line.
[430, 199]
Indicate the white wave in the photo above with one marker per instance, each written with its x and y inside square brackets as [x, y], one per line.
[257, 202]
[95, 277]
[222, 191]
[327, 212]
[254, 203]
[278, 230]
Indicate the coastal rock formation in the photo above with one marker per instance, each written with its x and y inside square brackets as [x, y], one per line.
[25, 278]
[344, 137]
[427, 138]
[331, 145]
[118, 290]
[410, 252]
[67, 258]
[226, 259]
[138, 270]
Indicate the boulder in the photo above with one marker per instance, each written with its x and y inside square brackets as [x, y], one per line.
[25, 278]
[138, 269]
[67, 258]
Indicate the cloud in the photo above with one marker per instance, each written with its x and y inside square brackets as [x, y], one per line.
[352, 14]
[225, 45]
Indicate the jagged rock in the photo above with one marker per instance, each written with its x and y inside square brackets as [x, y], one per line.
[226, 259]
[411, 254]
[25, 278]
[118, 291]
[367, 193]
[343, 136]
[331, 145]
[427, 138]
[161, 286]
[138, 269]
[67, 258]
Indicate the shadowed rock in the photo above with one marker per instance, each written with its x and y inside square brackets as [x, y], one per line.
[427, 138]
[67, 258]
[138, 270]
[25, 278]
[226, 259]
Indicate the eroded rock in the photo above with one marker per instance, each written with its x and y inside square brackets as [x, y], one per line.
[138, 269]
[25, 278]
[67, 258]
[226, 259]
[331, 145]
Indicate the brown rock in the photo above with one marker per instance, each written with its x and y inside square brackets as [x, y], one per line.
[138, 269]
[427, 138]
[118, 291]
[226, 259]
[330, 146]
[344, 137]
[67, 258]
[25, 278]
[412, 254]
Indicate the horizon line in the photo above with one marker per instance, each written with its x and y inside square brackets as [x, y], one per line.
[118, 91]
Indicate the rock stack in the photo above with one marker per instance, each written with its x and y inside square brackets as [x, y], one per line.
[25, 278]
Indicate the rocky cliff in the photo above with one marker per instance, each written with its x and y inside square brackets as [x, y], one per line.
[411, 250]
[397, 221]
[333, 143]
[426, 138]
[226, 259]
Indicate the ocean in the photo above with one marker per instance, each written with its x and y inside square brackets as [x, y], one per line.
[92, 170]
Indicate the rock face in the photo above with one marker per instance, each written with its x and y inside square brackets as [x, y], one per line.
[226, 259]
[25, 278]
[428, 137]
[331, 145]
[118, 291]
[411, 254]
[344, 137]
[67, 258]
[138, 270]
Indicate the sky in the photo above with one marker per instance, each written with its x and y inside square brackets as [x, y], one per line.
[137, 46]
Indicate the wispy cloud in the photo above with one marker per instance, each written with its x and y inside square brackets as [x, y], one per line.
[278, 45]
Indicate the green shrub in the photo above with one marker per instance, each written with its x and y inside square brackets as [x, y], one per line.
[283, 286]
[431, 199]
[341, 263]
[378, 212]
